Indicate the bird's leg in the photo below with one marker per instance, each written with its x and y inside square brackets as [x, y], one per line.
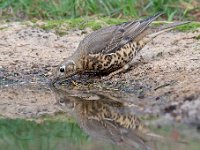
[121, 70]
[75, 83]
[142, 60]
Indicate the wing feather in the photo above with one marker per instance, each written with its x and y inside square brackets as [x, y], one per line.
[110, 39]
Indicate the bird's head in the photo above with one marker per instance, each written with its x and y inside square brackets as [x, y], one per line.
[65, 70]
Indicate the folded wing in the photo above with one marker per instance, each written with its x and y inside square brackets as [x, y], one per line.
[110, 39]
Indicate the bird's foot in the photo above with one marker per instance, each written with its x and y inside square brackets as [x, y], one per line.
[142, 60]
[75, 83]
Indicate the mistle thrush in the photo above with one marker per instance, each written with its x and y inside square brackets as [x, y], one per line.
[111, 49]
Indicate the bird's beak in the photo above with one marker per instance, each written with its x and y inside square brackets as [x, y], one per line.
[57, 80]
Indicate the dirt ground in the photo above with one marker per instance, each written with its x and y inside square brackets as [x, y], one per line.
[168, 83]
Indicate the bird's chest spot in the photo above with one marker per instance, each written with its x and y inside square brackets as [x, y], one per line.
[110, 61]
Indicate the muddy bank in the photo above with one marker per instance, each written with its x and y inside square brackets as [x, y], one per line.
[167, 83]
[27, 101]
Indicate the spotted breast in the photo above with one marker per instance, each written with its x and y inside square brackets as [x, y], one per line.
[112, 61]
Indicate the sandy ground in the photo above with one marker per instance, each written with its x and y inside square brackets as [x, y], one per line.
[168, 83]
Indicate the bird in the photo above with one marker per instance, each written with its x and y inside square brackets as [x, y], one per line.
[110, 50]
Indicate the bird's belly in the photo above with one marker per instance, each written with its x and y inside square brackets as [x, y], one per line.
[110, 62]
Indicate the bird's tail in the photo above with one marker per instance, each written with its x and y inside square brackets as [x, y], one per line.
[162, 139]
[159, 30]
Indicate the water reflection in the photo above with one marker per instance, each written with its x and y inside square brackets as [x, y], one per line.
[104, 114]
[107, 118]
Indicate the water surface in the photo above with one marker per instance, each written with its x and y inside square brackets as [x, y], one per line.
[85, 117]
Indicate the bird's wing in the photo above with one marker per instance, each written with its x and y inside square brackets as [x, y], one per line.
[110, 39]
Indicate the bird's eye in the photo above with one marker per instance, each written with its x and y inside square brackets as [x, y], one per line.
[62, 69]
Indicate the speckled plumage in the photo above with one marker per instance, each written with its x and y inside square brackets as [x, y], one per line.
[110, 49]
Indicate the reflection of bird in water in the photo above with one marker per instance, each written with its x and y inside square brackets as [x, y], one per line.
[106, 119]
[111, 123]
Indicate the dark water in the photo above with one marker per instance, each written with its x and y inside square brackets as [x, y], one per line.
[91, 118]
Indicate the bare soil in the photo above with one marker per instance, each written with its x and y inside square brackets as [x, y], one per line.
[168, 82]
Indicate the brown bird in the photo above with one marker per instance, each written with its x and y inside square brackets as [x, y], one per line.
[110, 50]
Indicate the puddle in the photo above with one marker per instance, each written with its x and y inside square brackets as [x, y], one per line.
[86, 117]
